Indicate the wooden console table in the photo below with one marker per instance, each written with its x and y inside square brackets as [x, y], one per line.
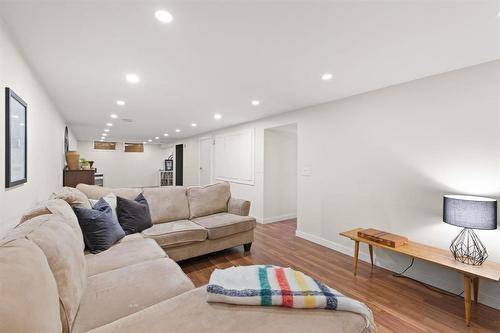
[488, 270]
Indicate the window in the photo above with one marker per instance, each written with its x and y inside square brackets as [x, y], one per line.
[100, 145]
[133, 147]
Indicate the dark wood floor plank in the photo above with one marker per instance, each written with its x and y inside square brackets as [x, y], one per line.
[399, 305]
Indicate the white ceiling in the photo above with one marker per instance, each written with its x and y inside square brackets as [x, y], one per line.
[217, 56]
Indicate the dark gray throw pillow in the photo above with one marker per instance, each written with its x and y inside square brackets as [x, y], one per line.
[100, 230]
[133, 215]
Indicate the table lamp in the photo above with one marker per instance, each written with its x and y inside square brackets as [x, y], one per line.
[469, 212]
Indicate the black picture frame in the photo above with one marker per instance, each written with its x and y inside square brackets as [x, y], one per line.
[14, 104]
[169, 165]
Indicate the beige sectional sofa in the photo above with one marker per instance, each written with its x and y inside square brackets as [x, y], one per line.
[50, 285]
[190, 221]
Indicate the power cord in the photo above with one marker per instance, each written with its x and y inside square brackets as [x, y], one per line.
[400, 275]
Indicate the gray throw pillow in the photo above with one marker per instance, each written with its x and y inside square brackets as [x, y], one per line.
[100, 229]
[133, 215]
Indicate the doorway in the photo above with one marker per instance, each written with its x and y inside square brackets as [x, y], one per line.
[280, 173]
[205, 176]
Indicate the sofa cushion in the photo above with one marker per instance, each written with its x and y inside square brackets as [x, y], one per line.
[99, 226]
[167, 204]
[96, 192]
[207, 200]
[133, 215]
[65, 257]
[176, 233]
[225, 224]
[30, 302]
[57, 207]
[73, 196]
[190, 312]
[118, 293]
[123, 254]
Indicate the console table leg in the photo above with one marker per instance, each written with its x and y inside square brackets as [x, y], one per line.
[370, 248]
[467, 297]
[356, 254]
[475, 284]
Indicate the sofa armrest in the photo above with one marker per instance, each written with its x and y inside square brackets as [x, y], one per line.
[238, 206]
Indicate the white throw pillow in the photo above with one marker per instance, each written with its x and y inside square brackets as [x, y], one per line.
[111, 200]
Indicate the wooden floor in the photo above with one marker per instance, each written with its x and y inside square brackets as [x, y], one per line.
[399, 305]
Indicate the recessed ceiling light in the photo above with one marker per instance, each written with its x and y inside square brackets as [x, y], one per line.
[157, 138]
[217, 116]
[178, 130]
[255, 102]
[326, 77]
[194, 125]
[132, 78]
[109, 124]
[104, 134]
[150, 140]
[106, 130]
[165, 134]
[120, 102]
[143, 142]
[163, 16]
[114, 116]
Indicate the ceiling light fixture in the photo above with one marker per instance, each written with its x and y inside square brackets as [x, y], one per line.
[178, 130]
[132, 78]
[120, 102]
[326, 77]
[149, 140]
[165, 134]
[106, 130]
[255, 102]
[217, 116]
[143, 142]
[194, 125]
[157, 138]
[104, 134]
[163, 16]
[114, 116]
[109, 124]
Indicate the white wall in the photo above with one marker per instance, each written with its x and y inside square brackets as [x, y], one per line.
[280, 173]
[45, 137]
[122, 169]
[384, 159]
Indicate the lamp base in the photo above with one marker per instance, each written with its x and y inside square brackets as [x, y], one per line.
[467, 248]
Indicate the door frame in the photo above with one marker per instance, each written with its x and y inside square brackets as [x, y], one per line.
[211, 176]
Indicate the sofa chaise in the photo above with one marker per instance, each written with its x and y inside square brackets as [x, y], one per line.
[49, 284]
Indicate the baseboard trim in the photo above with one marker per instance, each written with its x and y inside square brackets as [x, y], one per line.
[279, 218]
[484, 298]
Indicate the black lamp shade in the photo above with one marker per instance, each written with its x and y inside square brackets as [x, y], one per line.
[470, 212]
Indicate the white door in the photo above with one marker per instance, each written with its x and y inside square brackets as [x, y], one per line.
[205, 161]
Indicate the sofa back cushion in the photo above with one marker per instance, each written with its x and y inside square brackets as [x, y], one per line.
[167, 204]
[64, 256]
[208, 200]
[72, 196]
[58, 207]
[30, 301]
[96, 192]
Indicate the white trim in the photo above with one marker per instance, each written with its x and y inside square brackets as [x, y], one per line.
[484, 298]
[279, 218]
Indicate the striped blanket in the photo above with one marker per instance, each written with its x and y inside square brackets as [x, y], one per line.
[273, 285]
